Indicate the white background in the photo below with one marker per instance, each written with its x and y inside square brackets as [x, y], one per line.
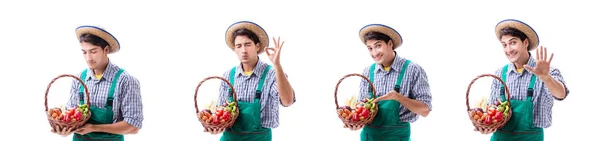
[171, 46]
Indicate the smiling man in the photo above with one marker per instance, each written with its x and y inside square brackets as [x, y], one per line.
[115, 99]
[532, 82]
[403, 86]
[260, 87]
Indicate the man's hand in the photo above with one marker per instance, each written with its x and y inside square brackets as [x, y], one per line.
[63, 132]
[353, 128]
[392, 95]
[214, 131]
[484, 131]
[542, 63]
[87, 128]
[276, 51]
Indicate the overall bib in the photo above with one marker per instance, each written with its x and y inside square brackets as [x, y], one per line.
[247, 126]
[100, 116]
[520, 126]
[386, 125]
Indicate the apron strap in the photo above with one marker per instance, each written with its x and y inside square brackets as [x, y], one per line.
[529, 88]
[259, 88]
[81, 89]
[261, 82]
[371, 73]
[502, 89]
[111, 92]
[232, 82]
[401, 76]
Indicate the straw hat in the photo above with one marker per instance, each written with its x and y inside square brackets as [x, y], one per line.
[521, 26]
[113, 43]
[254, 28]
[396, 38]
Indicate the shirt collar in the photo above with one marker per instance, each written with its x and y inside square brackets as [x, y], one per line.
[109, 72]
[395, 63]
[530, 62]
[258, 69]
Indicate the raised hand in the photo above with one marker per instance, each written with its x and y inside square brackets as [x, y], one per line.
[542, 63]
[274, 56]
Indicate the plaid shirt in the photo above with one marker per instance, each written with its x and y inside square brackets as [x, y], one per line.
[414, 85]
[245, 87]
[127, 102]
[517, 85]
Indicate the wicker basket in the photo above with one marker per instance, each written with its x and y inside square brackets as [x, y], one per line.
[360, 122]
[221, 125]
[493, 126]
[69, 125]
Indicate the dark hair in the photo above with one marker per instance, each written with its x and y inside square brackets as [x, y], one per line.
[513, 32]
[378, 36]
[93, 39]
[247, 33]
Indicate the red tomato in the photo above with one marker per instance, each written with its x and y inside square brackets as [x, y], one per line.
[67, 118]
[492, 112]
[72, 112]
[355, 117]
[226, 116]
[216, 120]
[365, 113]
[488, 120]
[220, 112]
[499, 116]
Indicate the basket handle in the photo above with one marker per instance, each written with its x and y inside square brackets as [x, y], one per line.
[488, 75]
[87, 93]
[346, 76]
[213, 77]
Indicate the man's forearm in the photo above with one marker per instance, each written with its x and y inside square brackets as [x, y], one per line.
[415, 106]
[556, 88]
[121, 127]
[286, 92]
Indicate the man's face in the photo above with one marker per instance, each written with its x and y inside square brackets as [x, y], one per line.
[95, 56]
[380, 51]
[514, 48]
[245, 49]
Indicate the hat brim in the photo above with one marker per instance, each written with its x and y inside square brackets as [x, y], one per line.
[113, 43]
[254, 28]
[396, 38]
[521, 26]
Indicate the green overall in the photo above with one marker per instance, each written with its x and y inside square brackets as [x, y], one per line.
[387, 125]
[520, 126]
[247, 126]
[100, 116]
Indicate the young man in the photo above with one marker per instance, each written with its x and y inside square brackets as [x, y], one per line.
[260, 87]
[401, 85]
[532, 82]
[115, 99]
